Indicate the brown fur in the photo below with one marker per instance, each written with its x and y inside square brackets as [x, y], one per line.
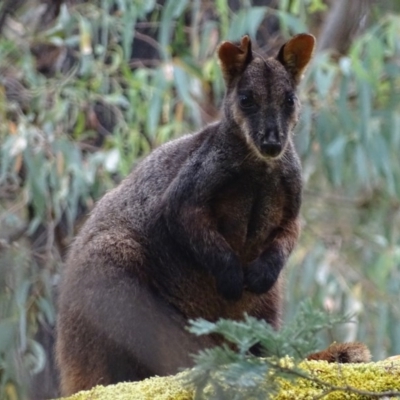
[201, 228]
[353, 352]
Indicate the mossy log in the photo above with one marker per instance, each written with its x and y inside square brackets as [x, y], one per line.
[328, 381]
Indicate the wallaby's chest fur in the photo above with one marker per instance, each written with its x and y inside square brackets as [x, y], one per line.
[249, 210]
[201, 228]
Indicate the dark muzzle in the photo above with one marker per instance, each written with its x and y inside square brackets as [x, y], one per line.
[271, 145]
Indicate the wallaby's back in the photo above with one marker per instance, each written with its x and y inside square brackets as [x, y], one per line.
[201, 228]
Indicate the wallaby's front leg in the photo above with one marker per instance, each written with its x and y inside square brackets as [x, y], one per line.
[189, 219]
[262, 273]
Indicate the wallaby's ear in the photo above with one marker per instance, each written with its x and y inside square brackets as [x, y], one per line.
[296, 54]
[234, 59]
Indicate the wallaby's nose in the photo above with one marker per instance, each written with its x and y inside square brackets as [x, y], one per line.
[270, 144]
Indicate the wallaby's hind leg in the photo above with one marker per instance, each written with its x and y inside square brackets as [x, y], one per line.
[111, 328]
[101, 362]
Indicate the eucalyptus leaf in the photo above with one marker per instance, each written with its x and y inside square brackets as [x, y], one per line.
[8, 329]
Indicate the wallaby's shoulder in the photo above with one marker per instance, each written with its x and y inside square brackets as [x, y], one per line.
[167, 159]
[128, 204]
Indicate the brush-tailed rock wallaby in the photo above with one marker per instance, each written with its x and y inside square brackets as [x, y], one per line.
[201, 228]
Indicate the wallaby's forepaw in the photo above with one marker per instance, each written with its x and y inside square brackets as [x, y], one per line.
[261, 275]
[353, 352]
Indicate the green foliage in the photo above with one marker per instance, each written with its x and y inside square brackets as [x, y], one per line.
[21, 310]
[228, 372]
[296, 339]
[59, 153]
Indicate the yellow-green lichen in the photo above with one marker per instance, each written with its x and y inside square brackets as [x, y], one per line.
[379, 377]
[328, 379]
[157, 388]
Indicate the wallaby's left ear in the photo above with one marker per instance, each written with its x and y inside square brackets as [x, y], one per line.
[296, 54]
[234, 59]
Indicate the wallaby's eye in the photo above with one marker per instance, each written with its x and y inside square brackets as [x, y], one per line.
[290, 99]
[246, 101]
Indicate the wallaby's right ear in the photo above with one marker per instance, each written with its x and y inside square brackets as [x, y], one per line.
[234, 59]
[296, 54]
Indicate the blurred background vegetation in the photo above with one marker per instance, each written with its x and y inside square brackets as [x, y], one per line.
[88, 88]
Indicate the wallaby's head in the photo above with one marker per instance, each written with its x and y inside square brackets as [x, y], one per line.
[261, 96]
